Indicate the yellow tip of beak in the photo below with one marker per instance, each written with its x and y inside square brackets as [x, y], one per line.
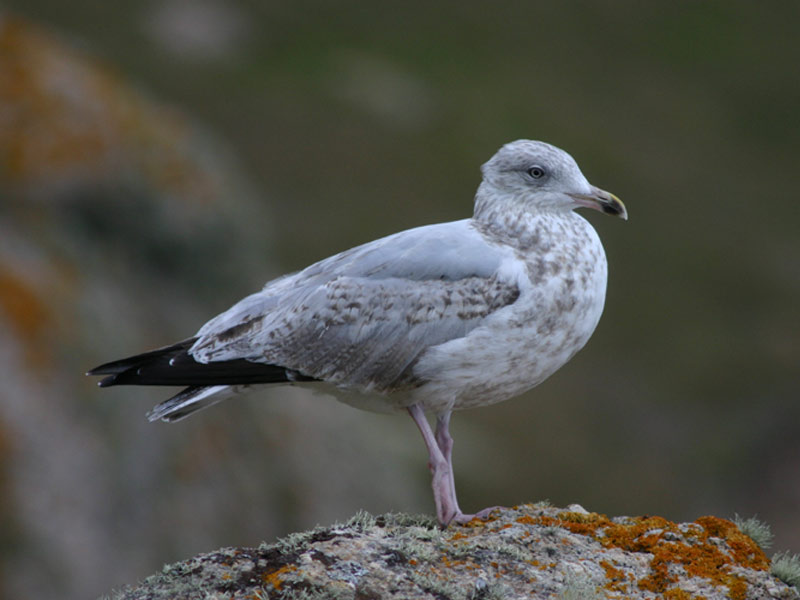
[603, 201]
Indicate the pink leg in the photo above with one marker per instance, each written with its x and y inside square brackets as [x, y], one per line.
[446, 505]
[440, 454]
[445, 442]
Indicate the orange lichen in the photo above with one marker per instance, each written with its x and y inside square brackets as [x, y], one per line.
[671, 554]
[479, 522]
[450, 564]
[617, 578]
[745, 551]
[71, 117]
[678, 594]
[26, 312]
[703, 558]
[529, 520]
[275, 578]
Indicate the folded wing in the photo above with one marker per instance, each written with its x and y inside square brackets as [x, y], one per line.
[359, 319]
[363, 317]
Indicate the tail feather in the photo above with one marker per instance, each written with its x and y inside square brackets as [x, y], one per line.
[188, 401]
[173, 365]
[207, 383]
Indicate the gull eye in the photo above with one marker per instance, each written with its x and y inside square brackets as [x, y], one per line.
[536, 172]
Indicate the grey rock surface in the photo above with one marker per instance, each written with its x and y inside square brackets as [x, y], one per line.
[531, 551]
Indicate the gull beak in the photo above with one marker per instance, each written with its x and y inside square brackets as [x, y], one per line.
[603, 201]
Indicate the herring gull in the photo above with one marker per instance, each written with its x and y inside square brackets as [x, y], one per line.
[429, 320]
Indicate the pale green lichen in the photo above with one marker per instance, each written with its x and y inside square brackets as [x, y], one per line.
[513, 551]
[436, 585]
[314, 594]
[434, 535]
[552, 531]
[421, 551]
[174, 580]
[488, 591]
[756, 530]
[294, 541]
[786, 567]
[407, 520]
[464, 549]
[361, 521]
[578, 586]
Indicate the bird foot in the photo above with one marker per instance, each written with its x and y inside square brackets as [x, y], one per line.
[461, 518]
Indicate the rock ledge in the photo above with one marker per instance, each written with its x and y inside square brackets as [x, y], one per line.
[530, 551]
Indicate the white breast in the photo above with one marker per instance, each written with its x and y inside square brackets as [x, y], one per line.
[562, 281]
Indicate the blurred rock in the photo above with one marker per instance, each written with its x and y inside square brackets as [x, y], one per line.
[123, 226]
[197, 29]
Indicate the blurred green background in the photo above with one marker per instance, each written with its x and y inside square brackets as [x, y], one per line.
[269, 135]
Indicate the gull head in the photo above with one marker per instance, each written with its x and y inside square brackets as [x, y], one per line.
[541, 177]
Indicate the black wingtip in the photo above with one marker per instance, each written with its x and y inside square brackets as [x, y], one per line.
[107, 381]
[116, 367]
[105, 369]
